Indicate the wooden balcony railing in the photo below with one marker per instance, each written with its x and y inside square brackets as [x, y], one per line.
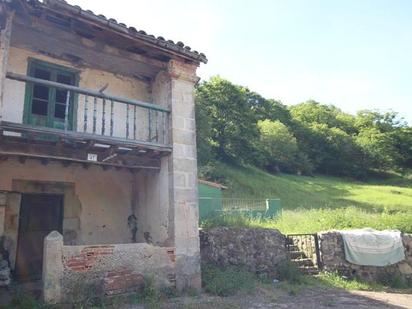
[102, 118]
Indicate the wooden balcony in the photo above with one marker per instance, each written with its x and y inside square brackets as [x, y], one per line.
[93, 128]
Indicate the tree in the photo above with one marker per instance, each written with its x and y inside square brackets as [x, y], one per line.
[232, 121]
[279, 146]
[203, 135]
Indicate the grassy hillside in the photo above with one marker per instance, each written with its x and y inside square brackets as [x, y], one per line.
[316, 192]
[312, 204]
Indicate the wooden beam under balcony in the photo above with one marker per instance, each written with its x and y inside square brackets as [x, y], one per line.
[22, 149]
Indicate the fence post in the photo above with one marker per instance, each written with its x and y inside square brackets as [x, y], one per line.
[319, 262]
[52, 268]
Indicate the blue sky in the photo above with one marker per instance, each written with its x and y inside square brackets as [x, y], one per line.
[355, 54]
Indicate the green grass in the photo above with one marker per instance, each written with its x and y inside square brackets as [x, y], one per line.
[227, 281]
[320, 203]
[335, 281]
[316, 192]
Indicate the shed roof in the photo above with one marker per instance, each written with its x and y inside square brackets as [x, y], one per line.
[212, 184]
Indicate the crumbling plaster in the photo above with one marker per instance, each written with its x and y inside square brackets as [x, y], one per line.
[97, 203]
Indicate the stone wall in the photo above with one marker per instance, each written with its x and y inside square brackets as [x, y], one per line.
[259, 250]
[333, 259]
[69, 271]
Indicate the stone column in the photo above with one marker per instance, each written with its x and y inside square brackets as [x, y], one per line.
[52, 268]
[183, 173]
[175, 89]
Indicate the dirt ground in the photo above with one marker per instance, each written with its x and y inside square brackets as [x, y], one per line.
[309, 298]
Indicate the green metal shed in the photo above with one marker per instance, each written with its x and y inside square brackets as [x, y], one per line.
[210, 198]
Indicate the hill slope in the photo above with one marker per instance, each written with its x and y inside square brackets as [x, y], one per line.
[312, 204]
[316, 192]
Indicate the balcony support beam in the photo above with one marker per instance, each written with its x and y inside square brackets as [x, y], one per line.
[12, 147]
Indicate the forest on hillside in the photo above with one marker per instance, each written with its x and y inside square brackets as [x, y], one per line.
[238, 126]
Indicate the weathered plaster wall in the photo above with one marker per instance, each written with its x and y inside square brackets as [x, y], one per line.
[106, 269]
[333, 259]
[90, 78]
[153, 209]
[97, 203]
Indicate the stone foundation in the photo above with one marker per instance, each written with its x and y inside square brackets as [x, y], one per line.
[333, 259]
[258, 250]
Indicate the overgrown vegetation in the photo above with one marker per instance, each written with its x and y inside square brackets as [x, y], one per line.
[316, 220]
[386, 282]
[240, 126]
[313, 204]
[227, 281]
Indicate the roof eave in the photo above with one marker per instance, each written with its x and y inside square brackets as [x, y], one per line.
[178, 48]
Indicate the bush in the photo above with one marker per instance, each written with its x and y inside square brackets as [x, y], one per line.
[26, 302]
[288, 271]
[227, 220]
[394, 281]
[226, 281]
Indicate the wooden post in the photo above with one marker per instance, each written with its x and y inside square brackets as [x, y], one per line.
[86, 110]
[5, 36]
[66, 112]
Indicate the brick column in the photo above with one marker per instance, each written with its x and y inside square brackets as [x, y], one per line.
[52, 268]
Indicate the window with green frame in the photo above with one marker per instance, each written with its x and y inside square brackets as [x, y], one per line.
[46, 106]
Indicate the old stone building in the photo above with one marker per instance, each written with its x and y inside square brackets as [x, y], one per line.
[98, 145]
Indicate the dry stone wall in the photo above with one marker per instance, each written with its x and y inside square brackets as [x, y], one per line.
[333, 259]
[258, 250]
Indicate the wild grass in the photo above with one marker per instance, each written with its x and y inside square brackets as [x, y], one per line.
[317, 220]
[227, 281]
[333, 280]
[313, 204]
[307, 192]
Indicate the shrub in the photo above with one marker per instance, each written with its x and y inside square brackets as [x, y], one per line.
[288, 271]
[25, 302]
[394, 281]
[226, 281]
[226, 220]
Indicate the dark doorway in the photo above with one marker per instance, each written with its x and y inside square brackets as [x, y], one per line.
[39, 215]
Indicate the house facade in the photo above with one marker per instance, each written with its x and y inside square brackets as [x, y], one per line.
[98, 170]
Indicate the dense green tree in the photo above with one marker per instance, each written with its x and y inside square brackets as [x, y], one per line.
[203, 137]
[238, 125]
[232, 121]
[311, 112]
[279, 146]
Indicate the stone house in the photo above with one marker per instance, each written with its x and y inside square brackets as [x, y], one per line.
[98, 145]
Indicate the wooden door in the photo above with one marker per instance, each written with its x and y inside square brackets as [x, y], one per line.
[39, 215]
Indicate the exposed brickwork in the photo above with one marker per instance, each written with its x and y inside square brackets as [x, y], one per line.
[88, 257]
[122, 281]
